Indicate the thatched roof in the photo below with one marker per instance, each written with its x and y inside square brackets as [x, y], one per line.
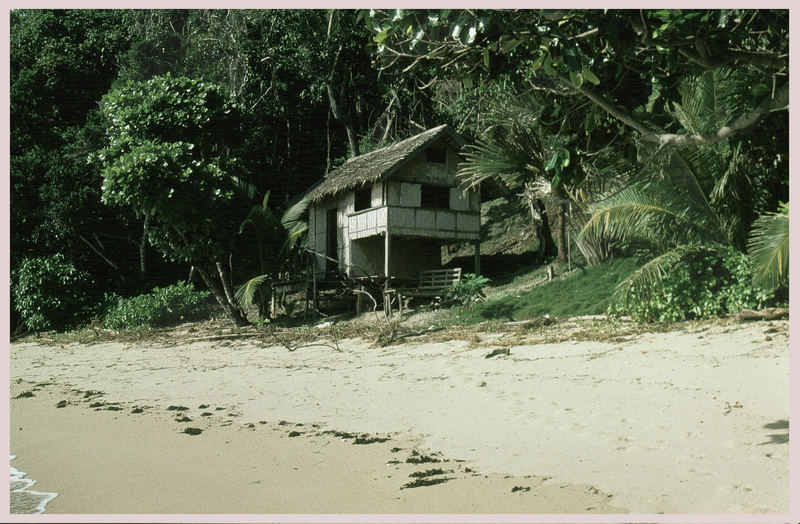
[377, 165]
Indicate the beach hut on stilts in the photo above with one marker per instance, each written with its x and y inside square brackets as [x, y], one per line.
[384, 216]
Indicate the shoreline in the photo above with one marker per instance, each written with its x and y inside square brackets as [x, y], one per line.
[683, 421]
[106, 462]
[23, 499]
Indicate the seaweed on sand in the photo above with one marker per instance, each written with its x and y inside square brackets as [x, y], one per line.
[417, 458]
[366, 439]
[421, 482]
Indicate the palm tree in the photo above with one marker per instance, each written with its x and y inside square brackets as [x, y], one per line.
[515, 152]
[686, 200]
[270, 236]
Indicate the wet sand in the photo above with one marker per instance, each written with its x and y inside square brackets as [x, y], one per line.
[119, 462]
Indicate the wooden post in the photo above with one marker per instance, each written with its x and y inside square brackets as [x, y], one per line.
[314, 296]
[387, 244]
[309, 269]
[477, 267]
[387, 303]
[359, 299]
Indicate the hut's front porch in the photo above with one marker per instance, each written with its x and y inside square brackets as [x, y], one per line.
[399, 242]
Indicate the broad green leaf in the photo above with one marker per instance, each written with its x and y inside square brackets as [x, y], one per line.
[577, 80]
[588, 75]
[380, 37]
[537, 63]
[548, 66]
[510, 45]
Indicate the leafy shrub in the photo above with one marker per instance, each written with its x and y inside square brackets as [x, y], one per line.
[160, 307]
[51, 293]
[708, 283]
[468, 291]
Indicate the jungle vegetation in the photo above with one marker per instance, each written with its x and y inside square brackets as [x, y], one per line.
[148, 144]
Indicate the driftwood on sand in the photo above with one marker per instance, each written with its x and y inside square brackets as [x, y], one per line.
[770, 313]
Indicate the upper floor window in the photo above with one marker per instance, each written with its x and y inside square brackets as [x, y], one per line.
[435, 196]
[436, 155]
[363, 199]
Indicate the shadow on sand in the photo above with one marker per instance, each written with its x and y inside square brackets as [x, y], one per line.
[781, 437]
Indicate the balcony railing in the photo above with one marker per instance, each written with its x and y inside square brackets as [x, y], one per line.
[415, 221]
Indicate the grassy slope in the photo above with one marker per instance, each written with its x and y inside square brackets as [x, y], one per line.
[518, 290]
[581, 292]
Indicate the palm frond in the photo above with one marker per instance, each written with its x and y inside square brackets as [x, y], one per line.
[295, 213]
[709, 101]
[511, 148]
[768, 249]
[246, 188]
[295, 223]
[259, 217]
[296, 236]
[688, 175]
[489, 159]
[246, 292]
[645, 212]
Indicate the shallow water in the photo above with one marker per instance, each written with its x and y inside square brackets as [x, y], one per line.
[23, 498]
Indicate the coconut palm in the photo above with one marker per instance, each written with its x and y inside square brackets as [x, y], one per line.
[687, 200]
[515, 152]
[270, 237]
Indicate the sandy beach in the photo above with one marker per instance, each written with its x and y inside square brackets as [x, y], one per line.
[693, 420]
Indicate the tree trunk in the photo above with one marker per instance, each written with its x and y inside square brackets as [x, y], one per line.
[226, 285]
[344, 117]
[143, 246]
[560, 220]
[547, 247]
[237, 317]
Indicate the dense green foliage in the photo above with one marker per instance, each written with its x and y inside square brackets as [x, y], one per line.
[708, 283]
[168, 158]
[161, 307]
[191, 117]
[51, 293]
[167, 152]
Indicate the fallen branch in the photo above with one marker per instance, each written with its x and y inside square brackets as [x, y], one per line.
[771, 313]
[219, 337]
[295, 348]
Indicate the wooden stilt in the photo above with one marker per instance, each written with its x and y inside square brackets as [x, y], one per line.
[387, 245]
[477, 257]
[359, 299]
[314, 293]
